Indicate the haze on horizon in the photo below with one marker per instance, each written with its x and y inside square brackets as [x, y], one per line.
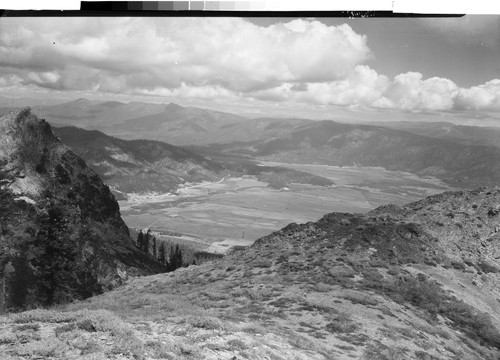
[443, 69]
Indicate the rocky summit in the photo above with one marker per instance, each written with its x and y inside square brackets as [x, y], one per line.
[61, 234]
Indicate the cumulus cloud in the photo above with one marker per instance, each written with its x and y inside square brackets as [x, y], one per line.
[138, 54]
[227, 59]
[410, 91]
[482, 97]
[407, 91]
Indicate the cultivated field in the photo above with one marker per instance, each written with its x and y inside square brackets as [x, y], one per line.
[240, 210]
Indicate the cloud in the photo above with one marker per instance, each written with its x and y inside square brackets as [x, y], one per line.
[141, 54]
[361, 86]
[228, 59]
[481, 97]
[409, 91]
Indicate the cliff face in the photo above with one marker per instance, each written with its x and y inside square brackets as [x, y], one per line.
[62, 236]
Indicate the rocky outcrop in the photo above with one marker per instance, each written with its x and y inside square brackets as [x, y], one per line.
[61, 236]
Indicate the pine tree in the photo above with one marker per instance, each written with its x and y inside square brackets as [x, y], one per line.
[179, 256]
[175, 257]
[20, 281]
[162, 254]
[140, 240]
[147, 239]
[171, 260]
[55, 257]
[154, 247]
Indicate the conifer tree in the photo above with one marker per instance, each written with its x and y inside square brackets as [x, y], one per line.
[171, 260]
[140, 240]
[162, 258]
[55, 254]
[147, 239]
[176, 258]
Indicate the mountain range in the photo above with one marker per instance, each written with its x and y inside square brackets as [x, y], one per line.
[462, 156]
[332, 143]
[467, 135]
[171, 123]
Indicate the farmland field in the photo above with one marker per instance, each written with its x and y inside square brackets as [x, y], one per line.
[239, 210]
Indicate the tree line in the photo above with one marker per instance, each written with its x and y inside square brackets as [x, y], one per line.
[148, 243]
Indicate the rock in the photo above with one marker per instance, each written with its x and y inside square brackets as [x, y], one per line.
[493, 211]
[51, 203]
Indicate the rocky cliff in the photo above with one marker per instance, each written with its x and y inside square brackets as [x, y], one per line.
[62, 236]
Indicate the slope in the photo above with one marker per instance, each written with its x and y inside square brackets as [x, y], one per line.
[412, 282]
[138, 166]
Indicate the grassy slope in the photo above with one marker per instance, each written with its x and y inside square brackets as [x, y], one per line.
[348, 286]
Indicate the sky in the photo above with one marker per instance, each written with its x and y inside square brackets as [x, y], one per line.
[276, 66]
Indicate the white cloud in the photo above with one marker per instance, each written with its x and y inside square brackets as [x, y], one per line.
[149, 53]
[481, 97]
[361, 86]
[410, 91]
[227, 59]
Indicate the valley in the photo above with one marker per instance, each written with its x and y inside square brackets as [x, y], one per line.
[239, 210]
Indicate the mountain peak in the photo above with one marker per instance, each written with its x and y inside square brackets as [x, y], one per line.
[173, 107]
[54, 210]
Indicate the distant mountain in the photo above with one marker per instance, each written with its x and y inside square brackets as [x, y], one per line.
[172, 123]
[95, 114]
[138, 166]
[332, 143]
[469, 135]
[61, 234]
[412, 282]
[10, 102]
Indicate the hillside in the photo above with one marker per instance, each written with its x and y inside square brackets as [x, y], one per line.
[411, 282]
[61, 233]
[468, 135]
[138, 166]
[331, 143]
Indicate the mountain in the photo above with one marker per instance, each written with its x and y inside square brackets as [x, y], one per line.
[193, 126]
[95, 114]
[333, 143]
[412, 282]
[468, 135]
[8, 102]
[172, 123]
[62, 236]
[138, 166]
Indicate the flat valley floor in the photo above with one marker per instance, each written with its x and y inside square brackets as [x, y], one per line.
[237, 211]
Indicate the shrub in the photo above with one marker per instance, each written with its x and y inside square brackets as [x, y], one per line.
[342, 323]
[205, 322]
[262, 263]
[487, 267]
